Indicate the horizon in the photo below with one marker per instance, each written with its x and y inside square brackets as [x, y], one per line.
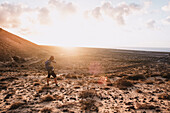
[98, 24]
[154, 49]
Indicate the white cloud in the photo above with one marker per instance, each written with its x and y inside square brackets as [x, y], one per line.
[44, 16]
[151, 24]
[10, 13]
[63, 7]
[97, 13]
[166, 7]
[167, 20]
[117, 13]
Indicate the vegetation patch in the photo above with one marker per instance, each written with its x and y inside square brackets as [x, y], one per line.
[123, 84]
[3, 86]
[166, 75]
[8, 78]
[59, 78]
[43, 88]
[47, 98]
[36, 83]
[46, 110]
[16, 105]
[88, 94]
[136, 77]
[88, 105]
[149, 82]
[145, 106]
[139, 91]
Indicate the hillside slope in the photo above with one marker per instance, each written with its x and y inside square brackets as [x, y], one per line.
[12, 45]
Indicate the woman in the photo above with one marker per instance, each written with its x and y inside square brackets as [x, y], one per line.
[50, 69]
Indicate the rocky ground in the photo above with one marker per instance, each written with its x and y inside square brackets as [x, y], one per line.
[128, 84]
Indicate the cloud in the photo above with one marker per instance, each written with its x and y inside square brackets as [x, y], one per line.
[64, 7]
[117, 13]
[43, 16]
[150, 24]
[97, 13]
[167, 20]
[10, 14]
[166, 7]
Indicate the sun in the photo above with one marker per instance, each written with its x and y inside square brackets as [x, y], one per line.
[68, 50]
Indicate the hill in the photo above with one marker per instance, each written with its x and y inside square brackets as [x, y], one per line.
[12, 45]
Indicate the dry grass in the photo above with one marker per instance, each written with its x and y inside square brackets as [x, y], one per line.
[37, 83]
[46, 110]
[94, 81]
[43, 88]
[110, 84]
[3, 86]
[88, 94]
[123, 84]
[10, 78]
[111, 75]
[145, 106]
[149, 82]
[73, 76]
[139, 91]
[166, 75]
[47, 98]
[68, 105]
[59, 78]
[88, 105]
[58, 97]
[136, 77]
[16, 105]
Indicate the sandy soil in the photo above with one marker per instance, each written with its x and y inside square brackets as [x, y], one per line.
[94, 80]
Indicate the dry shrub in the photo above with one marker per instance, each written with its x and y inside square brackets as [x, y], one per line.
[155, 75]
[123, 84]
[135, 77]
[109, 84]
[88, 105]
[88, 94]
[111, 76]
[36, 83]
[149, 82]
[43, 88]
[10, 78]
[164, 96]
[73, 76]
[166, 75]
[139, 91]
[16, 105]
[3, 86]
[46, 110]
[76, 87]
[47, 98]
[145, 106]
[94, 81]
[59, 78]
[68, 105]
[106, 88]
[58, 97]
[80, 82]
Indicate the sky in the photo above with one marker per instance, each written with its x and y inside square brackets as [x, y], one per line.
[89, 23]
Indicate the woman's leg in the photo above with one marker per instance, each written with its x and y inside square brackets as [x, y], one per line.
[54, 75]
[48, 78]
